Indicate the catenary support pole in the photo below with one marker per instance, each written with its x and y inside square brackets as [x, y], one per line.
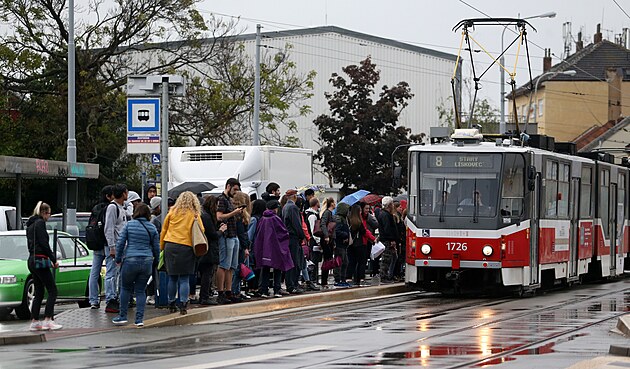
[164, 147]
[256, 133]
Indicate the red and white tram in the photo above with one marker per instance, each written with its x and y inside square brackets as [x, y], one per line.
[485, 214]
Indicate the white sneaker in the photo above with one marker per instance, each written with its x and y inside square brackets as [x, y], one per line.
[150, 300]
[50, 325]
[36, 326]
[245, 296]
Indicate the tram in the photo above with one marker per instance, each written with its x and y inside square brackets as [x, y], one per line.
[503, 215]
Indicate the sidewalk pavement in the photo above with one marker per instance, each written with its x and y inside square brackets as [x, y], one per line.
[619, 354]
[85, 321]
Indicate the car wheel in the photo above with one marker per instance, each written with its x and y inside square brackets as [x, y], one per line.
[24, 311]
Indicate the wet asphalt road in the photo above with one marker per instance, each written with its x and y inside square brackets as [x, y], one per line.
[554, 330]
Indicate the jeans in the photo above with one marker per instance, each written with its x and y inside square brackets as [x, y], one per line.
[43, 280]
[388, 261]
[292, 275]
[236, 276]
[135, 273]
[178, 283]
[98, 256]
[340, 272]
[228, 253]
[316, 258]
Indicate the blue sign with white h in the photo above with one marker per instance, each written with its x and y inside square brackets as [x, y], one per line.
[155, 159]
[143, 115]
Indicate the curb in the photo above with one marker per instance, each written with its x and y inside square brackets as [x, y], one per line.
[223, 312]
[623, 325]
[19, 339]
[619, 350]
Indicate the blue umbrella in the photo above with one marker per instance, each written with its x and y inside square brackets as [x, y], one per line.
[355, 197]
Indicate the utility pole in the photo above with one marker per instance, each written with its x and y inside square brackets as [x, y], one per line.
[164, 148]
[256, 135]
[70, 204]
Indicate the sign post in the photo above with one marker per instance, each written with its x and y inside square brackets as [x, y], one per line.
[145, 112]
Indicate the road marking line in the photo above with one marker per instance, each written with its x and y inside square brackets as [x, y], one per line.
[256, 358]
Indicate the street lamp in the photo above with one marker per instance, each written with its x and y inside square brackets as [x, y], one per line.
[566, 73]
[502, 62]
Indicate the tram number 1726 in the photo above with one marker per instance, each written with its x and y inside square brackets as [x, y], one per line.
[456, 246]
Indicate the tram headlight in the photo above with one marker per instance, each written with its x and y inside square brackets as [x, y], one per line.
[425, 249]
[487, 250]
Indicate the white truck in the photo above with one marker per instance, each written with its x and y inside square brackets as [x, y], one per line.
[254, 166]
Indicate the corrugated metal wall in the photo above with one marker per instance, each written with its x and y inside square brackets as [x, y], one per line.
[427, 75]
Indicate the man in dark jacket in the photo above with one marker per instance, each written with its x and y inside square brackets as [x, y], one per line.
[272, 192]
[293, 221]
[388, 235]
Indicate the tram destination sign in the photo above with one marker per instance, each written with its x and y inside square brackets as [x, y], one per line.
[461, 161]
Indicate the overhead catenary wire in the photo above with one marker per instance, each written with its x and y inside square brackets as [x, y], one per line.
[552, 54]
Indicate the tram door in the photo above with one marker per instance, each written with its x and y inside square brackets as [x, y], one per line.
[534, 232]
[613, 227]
[574, 238]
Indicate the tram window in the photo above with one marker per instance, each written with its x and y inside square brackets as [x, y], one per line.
[513, 185]
[586, 208]
[563, 190]
[447, 189]
[604, 200]
[413, 185]
[551, 189]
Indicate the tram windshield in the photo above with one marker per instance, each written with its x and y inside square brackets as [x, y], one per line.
[459, 184]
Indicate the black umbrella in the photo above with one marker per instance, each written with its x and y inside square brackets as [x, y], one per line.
[194, 187]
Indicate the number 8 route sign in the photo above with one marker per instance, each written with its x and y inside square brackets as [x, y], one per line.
[143, 125]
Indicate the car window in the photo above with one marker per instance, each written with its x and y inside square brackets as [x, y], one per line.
[54, 223]
[57, 222]
[13, 247]
[67, 246]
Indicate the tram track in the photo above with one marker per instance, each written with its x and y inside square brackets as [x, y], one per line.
[506, 353]
[433, 307]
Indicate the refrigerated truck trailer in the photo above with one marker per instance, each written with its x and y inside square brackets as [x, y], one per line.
[254, 166]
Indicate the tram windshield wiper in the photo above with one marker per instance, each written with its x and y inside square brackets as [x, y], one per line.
[475, 204]
[443, 201]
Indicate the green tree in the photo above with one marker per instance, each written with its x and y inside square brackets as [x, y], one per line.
[360, 134]
[111, 43]
[484, 113]
[218, 109]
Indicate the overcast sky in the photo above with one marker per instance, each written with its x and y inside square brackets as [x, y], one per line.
[429, 23]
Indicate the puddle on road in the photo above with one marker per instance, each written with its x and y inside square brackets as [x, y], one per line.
[482, 349]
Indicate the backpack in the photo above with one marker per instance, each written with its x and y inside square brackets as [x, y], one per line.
[95, 230]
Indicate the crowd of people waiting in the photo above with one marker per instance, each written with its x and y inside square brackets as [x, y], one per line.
[290, 239]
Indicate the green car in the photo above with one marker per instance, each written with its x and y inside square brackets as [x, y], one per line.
[16, 286]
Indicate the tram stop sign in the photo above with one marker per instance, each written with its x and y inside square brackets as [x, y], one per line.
[143, 125]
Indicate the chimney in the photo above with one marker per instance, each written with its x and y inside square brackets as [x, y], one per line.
[579, 44]
[547, 61]
[598, 35]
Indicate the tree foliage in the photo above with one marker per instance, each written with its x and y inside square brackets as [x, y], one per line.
[484, 114]
[112, 41]
[218, 108]
[360, 133]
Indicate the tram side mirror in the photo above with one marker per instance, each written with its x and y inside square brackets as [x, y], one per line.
[531, 178]
[397, 177]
